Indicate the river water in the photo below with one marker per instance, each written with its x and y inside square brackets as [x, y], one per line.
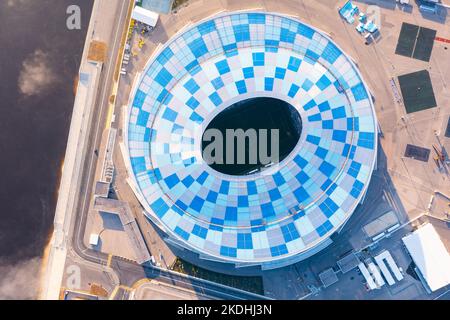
[39, 62]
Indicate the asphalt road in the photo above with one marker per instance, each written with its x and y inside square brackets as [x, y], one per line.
[94, 140]
[129, 272]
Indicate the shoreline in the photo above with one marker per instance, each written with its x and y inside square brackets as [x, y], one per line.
[57, 246]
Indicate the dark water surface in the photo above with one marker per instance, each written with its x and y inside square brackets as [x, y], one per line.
[39, 60]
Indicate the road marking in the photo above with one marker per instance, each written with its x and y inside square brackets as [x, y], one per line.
[62, 292]
[109, 116]
[143, 282]
[118, 66]
[114, 293]
[441, 295]
[206, 287]
[442, 39]
[125, 288]
[109, 260]
[116, 289]
[79, 291]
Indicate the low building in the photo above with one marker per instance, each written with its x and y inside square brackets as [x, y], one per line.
[94, 240]
[430, 257]
[159, 6]
[145, 16]
[102, 189]
[328, 277]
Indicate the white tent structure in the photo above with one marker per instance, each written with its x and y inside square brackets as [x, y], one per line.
[148, 17]
[430, 256]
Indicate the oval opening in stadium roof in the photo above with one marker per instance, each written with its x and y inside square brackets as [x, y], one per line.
[251, 135]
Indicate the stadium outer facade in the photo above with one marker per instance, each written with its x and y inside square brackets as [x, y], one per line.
[287, 212]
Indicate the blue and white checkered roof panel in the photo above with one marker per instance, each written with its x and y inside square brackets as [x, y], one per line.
[280, 212]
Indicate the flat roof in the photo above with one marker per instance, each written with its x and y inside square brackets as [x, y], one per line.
[348, 263]
[160, 6]
[102, 188]
[94, 239]
[328, 277]
[145, 16]
[430, 256]
[381, 224]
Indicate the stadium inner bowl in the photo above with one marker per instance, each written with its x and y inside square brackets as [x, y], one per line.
[267, 130]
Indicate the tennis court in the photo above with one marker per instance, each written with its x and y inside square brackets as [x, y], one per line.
[407, 40]
[417, 91]
[447, 131]
[415, 42]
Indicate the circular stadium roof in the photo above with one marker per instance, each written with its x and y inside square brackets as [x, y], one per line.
[281, 212]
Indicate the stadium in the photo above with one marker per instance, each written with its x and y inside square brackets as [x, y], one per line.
[269, 217]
